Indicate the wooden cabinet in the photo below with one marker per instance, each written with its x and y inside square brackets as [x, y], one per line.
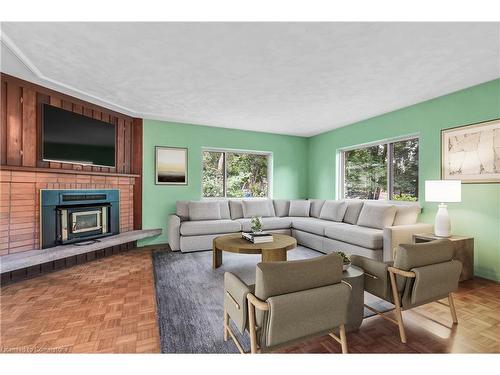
[464, 251]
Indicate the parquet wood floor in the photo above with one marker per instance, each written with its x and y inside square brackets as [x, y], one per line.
[109, 306]
[105, 306]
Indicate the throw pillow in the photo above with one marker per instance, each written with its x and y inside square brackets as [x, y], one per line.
[299, 208]
[316, 206]
[377, 215]
[209, 210]
[406, 215]
[352, 212]
[258, 207]
[333, 210]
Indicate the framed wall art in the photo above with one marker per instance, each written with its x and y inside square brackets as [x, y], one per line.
[471, 153]
[171, 166]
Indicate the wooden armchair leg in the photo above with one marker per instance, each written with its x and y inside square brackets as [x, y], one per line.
[397, 304]
[252, 328]
[452, 309]
[226, 324]
[343, 339]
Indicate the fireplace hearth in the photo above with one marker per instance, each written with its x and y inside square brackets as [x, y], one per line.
[71, 216]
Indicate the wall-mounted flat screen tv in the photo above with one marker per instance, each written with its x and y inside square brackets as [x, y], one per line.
[73, 138]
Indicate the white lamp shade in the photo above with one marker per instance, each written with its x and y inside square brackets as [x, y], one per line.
[443, 191]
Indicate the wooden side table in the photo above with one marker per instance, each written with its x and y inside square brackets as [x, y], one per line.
[464, 251]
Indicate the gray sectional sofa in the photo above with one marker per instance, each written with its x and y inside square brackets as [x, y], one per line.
[361, 227]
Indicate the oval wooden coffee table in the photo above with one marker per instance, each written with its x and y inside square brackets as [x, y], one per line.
[271, 251]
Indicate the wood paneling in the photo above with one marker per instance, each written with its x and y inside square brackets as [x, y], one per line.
[3, 123]
[21, 121]
[14, 125]
[120, 146]
[24, 173]
[29, 132]
[136, 168]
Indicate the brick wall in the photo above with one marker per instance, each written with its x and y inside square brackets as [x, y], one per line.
[20, 203]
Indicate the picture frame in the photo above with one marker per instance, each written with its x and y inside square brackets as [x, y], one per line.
[471, 153]
[171, 165]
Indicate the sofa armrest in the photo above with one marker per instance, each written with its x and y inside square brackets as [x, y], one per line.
[396, 235]
[174, 233]
[235, 300]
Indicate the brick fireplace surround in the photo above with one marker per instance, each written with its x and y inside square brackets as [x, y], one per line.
[23, 172]
[20, 203]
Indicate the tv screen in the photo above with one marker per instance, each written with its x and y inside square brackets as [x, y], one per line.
[72, 138]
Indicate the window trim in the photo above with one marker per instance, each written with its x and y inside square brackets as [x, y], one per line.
[340, 175]
[269, 155]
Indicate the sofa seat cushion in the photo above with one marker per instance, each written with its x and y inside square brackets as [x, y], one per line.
[199, 227]
[310, 225]
[268, 223]
[370, 238]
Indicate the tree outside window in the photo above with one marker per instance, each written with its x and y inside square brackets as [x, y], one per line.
[383, 171]
[235, 174]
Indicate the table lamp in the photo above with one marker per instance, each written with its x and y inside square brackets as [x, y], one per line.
[443, 191]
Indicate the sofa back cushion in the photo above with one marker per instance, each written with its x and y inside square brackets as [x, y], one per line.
[258, 207]
[299, 208]
[316, 206]
[376, 215]
[236, 209]
[406, 215]
[281, 207]
[333, 210]
[182, 210]
[352, 211]
[204, 210]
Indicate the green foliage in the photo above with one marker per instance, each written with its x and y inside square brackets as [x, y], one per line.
[213, 174]
[406, 170]
[366, 172]
[404, 197]
[344, 256]
[246, 175]
[256, 224]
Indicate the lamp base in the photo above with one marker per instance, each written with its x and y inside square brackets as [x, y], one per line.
[442, 224]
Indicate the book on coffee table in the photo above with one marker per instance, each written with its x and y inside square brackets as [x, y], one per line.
[257, 237]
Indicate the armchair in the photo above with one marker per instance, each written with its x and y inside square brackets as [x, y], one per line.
[420, 274]
[290, 301]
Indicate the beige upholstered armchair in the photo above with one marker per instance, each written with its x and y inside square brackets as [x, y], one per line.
[290, 301]
[420, 274]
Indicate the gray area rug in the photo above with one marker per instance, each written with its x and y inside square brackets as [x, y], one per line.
[190, 295]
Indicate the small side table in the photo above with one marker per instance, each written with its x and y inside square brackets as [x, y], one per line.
[464, 251]
[355, 277]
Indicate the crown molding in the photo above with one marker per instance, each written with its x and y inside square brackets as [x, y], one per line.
[23, 59]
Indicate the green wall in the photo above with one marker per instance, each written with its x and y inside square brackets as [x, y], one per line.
[306, 167]
[289, 165]
[478, 214]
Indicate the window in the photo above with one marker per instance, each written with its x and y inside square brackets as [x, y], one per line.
[235, 174]
[382, 171]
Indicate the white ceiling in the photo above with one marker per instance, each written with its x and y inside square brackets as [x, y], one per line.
[290, 78]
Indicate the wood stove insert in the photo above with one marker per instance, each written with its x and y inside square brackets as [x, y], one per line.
[70, 216]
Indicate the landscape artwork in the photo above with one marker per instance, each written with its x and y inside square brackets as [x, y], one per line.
[472, 153]
[171, 166]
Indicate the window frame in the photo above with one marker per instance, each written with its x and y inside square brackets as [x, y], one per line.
[268, 154]
[389, 142]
